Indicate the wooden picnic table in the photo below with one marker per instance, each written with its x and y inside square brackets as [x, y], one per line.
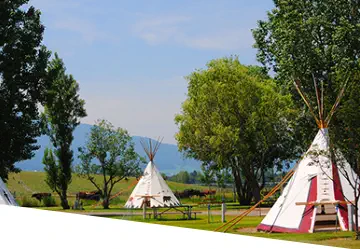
[187, 212]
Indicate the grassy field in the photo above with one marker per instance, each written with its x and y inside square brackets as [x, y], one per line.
[36, 182]
[26, 183]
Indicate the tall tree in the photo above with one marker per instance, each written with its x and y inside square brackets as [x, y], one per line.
[235, 117]
[317, 41]
[110, 153]
[23, 62]
[62, 113]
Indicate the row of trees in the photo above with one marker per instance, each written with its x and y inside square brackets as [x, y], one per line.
[220, 179]
[30, 80]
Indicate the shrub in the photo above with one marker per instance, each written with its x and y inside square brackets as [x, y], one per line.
[49, 201]
[29, 202]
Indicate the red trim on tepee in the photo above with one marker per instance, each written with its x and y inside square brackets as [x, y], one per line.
[305, 223]
[309, 210]
[339, 196]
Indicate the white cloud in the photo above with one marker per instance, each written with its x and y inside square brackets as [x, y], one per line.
[176, 29]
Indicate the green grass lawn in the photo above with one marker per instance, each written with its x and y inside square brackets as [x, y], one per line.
[337, 239]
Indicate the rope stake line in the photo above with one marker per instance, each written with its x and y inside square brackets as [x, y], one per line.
[242, 215]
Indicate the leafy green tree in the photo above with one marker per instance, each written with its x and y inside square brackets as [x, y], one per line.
[236, 118]
[183, 177]
[186, 177]
[23, 62]
[108, 152]
[317, 41]
[62, 113]
[208, 175]
[223, 178]
[194, 177]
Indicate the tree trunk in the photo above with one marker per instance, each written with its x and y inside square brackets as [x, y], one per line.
[106, 200]
[244, 197]
[256, 190]
[106, 203]
[64, 201]
[234, 192]
[357, 233]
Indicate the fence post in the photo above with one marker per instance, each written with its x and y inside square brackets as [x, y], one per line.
[223, 210]
[208, 213]
[350, 216]
[155, 212]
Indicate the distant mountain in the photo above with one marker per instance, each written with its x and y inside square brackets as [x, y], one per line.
[168, 159]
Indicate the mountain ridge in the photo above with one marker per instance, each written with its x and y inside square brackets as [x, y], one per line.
[168, 159]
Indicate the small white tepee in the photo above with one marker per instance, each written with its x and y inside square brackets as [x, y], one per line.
[6, 198]
[151, 188]
[316, 196]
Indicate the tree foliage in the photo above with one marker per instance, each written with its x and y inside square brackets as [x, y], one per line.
[186, 177]
[23, 62]
[315, 40]
[235, 117]
[62, 112]
[108, 152]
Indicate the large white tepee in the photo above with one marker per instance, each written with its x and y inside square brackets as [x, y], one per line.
[6, 198]
[316, 196]
[151, 189]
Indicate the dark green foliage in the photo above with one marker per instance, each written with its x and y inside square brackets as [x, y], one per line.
[23, 62]
[63, 110]
[309, 40]
[51, 169]
[49, 201]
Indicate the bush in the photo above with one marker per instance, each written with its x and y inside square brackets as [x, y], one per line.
[29, 202]
[49, 201]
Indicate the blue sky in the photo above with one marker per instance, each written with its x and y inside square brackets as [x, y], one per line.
[130, 57]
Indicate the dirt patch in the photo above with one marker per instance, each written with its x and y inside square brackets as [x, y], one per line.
[247, 230]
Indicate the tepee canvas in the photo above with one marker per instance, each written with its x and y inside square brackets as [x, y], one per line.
[316, 196]
[6, 198]
[151, 189]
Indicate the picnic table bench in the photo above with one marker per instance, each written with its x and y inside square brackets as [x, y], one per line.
[186, 213]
